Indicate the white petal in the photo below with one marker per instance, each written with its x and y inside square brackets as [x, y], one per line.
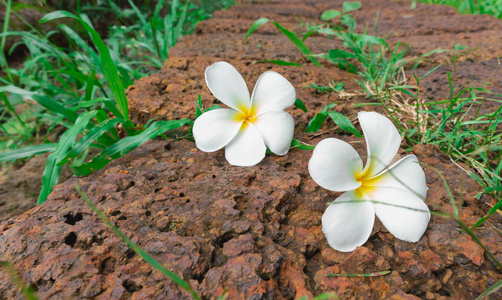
[276, 128]
[404, 214]
[334, 165]
[382, 141]
[227, 85]
[247, 148]
[214, 129]
[272, 92]
[348, 225]
[406, 175]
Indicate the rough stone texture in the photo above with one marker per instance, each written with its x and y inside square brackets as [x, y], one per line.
[20, 187]
[255, 232]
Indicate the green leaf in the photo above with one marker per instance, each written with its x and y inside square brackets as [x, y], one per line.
[350, 6]
[299, 104]
[299, 44]
[370, 39]
[256, 25]
[180, 282]
[493, 189]
[279, 62]
[330, 14]
[300, 145]
[127, 144]
[316, 123]
[344, 123]
[338, 53]
[26, 152]
[50, 176]
[349, 21]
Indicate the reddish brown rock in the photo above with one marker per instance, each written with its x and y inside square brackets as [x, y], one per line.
[253, 232]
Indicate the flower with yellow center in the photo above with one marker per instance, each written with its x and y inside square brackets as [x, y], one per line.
[395, 194]
[251, 124]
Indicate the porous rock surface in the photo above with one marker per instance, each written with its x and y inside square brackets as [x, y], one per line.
[254, 232]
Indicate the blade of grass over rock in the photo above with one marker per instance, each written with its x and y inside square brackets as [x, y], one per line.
[490, 212]
[178, 280]
[323, 296]
[27, 152]
[127, 144]
[50, 176]
[111, 72]
[292, 37]
[381, 273]
[27, 291]
[344, 123]
[494, 288]
[279, 62]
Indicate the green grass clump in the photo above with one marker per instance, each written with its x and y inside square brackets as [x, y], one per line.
[377, 63]
[69, 100]
[489, 7]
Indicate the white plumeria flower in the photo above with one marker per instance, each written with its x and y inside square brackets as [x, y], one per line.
[250, 125]
[396, 194]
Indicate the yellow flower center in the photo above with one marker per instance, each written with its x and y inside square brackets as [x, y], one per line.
[367, 185]
[246, 114]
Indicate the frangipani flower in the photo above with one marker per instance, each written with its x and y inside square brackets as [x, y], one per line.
[250, 125]
[396, 194]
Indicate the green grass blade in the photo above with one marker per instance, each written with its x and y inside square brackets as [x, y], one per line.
[299, 44]
[344, 123]
[180, 282]
[92, 136]
[490, 290]
[301, 145]
[56, 107]
[323, 296]
[3, 60]
[50, 176]
[256, 25]
[279, 62]
[109, 68]
[127, 144]
[43, 100]
[381, 273]
[26, 152]
[178, 30]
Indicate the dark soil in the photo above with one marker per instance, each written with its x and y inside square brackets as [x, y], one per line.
[256, 231]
